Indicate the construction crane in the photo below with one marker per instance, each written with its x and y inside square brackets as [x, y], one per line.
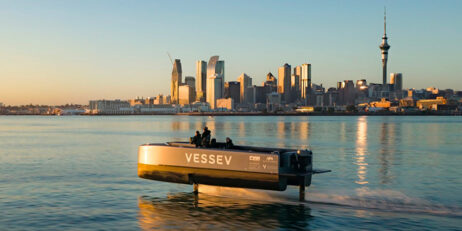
[169, 56]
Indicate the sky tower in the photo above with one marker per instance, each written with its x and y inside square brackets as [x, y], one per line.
[384, 48]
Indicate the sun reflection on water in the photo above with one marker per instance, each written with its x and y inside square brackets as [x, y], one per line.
[361, 150]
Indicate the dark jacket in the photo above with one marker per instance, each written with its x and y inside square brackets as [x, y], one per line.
[229, 144]
[206, 138]
[197, 140]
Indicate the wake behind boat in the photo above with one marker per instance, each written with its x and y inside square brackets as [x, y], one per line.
[239, 166]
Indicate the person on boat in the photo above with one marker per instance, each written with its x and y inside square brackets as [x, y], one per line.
[213, 143]
[197, 139]
[229, 143]
[206, 137]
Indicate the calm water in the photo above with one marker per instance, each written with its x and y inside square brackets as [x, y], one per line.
[60, 173]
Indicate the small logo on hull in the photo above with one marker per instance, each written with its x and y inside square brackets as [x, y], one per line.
[254, 158]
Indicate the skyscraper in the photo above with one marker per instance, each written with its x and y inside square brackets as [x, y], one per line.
[233, 91]
[271, 83]
[284, 75]
[384, 48]
[186, 94]
[191, 81]
[176, 81]
[305, 86]
[298, 72]
[259, 94]
[220, 69]
[245, 82]
[215, 80]
[347, 93]
[397, 80]
[201, 80]
[216, 66]
[295, 87]
[214, 90]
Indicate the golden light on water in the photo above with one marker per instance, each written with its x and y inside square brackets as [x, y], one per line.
[281, 133]
[361, 151]
[304, 130]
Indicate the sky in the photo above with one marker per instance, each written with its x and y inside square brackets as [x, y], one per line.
[71, 51]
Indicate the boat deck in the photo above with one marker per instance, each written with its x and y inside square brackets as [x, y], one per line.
[221, 146]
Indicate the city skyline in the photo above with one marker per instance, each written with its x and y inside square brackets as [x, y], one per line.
[32, 74]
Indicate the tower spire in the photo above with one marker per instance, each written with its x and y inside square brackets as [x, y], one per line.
[384, 47]
[385, 21]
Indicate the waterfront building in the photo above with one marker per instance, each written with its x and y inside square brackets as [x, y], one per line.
[318, 99]
[73, 111]
[383, 103]
[407, 102]
[430, 104]
[110, 107]
[215, 81]
[186, 95]
[176, 80]
[273, 101]
[305, 109]
[201, 80]
[225, 104]
[245, 82]
[331, 97]
[284, 75]
[200, 107]
[305, 82]
[157, 109]
[384, 47]
[233, 91]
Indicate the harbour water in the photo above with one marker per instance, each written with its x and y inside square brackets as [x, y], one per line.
[79, 172]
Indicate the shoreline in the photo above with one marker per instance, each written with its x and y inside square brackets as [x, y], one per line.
[420, 113]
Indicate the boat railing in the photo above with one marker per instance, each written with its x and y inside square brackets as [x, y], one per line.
[222, 145]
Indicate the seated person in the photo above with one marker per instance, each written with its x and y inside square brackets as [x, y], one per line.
[206, 137]
[213, 143]
[229, 143]
[197, 139]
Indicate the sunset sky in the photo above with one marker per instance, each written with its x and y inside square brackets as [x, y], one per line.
[63, 51]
